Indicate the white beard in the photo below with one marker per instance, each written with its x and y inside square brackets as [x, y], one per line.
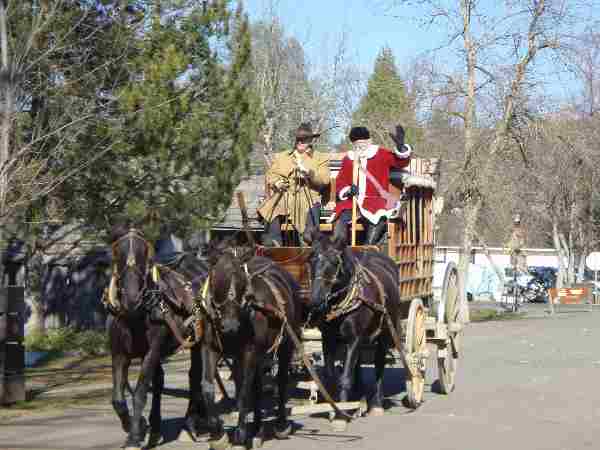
[361, 147]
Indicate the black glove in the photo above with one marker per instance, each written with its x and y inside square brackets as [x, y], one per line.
[398, 138]
[353, 191]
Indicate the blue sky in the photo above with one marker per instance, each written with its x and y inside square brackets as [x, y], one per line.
[369, 26]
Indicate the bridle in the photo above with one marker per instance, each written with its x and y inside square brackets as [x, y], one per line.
[232, 293]
[131, 263]
[357, 278]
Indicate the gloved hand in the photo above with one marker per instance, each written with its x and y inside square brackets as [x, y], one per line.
[398, 138]
[280, 185]
[303, 172]
[353, 190]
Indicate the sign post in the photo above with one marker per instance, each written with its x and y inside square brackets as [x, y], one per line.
[593, 262]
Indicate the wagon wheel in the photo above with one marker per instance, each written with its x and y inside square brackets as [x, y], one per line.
[416, 351]
[451, 315]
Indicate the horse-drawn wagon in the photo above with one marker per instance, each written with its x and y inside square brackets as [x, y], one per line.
[248, 308]
[411, 245]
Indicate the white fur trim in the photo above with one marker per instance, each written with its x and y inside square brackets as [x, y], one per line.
[375, 217]
[344, 193]
[405, 154]
[371, 151]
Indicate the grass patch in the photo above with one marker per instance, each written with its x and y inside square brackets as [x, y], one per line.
[68, 340]
[54, 404]
[488, 315]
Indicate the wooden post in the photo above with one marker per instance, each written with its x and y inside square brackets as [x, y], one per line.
[245, 222]
[355, 165]
[3, 334]
[14, 363]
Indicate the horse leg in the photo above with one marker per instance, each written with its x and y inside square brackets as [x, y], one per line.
[195, 411]
[352, 355]
[359, 386]
[120, 366]
[158, 383]
[248, 368]
[283, 428]
[256, 398]
[149, 365]
[377, 400]
[215, 427]
[328, 342]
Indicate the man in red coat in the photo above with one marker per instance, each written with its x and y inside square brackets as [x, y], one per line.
[372, 190]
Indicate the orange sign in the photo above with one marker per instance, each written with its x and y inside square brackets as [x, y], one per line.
[570, 296]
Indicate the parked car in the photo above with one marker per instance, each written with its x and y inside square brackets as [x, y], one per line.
[532, 286]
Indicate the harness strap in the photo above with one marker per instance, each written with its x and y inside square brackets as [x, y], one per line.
[170, 321]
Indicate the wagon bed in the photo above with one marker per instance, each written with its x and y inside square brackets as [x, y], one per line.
[411, 245]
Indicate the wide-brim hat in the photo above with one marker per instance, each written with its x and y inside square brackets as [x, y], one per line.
[305, 131]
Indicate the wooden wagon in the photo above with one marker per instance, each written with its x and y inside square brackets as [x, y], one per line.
[411, 244]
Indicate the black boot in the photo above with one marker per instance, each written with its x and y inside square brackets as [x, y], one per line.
[375, 232]
[341, 225]
[273, 236]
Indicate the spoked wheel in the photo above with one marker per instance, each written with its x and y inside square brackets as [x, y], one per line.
[416, 353]
[451, 315]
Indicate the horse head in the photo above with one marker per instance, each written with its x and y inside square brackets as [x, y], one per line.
[330, 266]
[227, 283]
[132, 258]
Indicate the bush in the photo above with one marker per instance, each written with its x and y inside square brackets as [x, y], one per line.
[67, 339]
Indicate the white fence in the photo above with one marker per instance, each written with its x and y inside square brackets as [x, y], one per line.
[483, 281]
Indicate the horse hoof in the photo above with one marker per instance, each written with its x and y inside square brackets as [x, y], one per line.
[376, 412]
[339, 425]
[257, 442]
[285, 432]
[363, 407]
[154, 439]
[185, 436]
[126, 425]
[219, 444]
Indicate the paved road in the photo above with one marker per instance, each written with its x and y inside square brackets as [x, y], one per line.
[524, 384]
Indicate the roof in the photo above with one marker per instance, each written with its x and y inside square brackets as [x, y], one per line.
[253, 189]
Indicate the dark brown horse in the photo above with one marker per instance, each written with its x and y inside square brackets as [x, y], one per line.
[352, 292]
[150, 311]
[249, 303]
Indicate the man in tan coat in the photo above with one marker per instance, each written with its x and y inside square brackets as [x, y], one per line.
[296, 179]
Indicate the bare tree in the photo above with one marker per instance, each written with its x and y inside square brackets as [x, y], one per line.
[51, 89]
[499, 45]
[53, 84]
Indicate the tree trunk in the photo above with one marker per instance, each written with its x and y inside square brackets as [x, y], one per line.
[499, 272]
[472, 206]
[581, 268]
[471, 215]
[560, 276]
[37, 322]
[6, 90]
[268, 131]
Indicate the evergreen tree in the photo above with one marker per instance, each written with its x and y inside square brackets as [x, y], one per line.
[386, 103]
[183, 127]
[64, 57]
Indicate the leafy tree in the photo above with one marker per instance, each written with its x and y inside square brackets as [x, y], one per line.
[386, 102]
[59, 59]
[182, 128]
